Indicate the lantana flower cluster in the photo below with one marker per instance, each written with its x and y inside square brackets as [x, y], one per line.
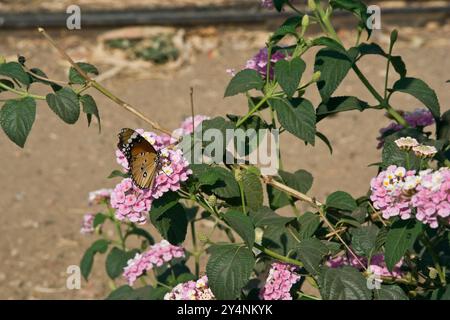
[377, 264]
[87, 225]
[158, 254]
[398, 192]
[419, 118]
[99, 196]
[131, 202]
[279, 282]
[189, 125]
[260, 60]
[191, 290]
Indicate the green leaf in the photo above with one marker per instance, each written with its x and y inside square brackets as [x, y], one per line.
[325, 140]
[297, 116]
[278, 4]
[357, 7]
[163, 204]
[279, 239]
[392, 154]
[126, 292]
[288, 27]
[140, 233]
[65, 104]
[14, 70]
[341, 200]
[339, 104]
[169, 218]
[289, 73]
[226, 185]
[244, 81]
[253, 191]
[118, 173]
[311, 253]
[421, 91]
[391, 292]
[7, 83]
[309, 222]
[229, 269]
[373, 48]
[344, 283]
[99, 246]
[364, 240]
[99, 219]
[264, 216]
[117, 260]
[329, 43]
[301, 180]
[242, 224]
[75, 77]
[90, 109]
[17, 117]
[333, 66]
[401, 237]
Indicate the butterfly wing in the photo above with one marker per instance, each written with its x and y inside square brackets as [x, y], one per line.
[143, 159]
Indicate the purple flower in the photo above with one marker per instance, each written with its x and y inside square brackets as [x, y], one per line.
[158, 254]
[191, 290]
[279, 282]
[419, 118]
[377, 264]
[259, 62]
[268, 4]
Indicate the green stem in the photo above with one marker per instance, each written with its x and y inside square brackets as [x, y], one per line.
[255, 108]
[277, 256]
[119, 232]
[388, 65]
[241, 188]
[21, 93]
[196, 253]
[397, 117]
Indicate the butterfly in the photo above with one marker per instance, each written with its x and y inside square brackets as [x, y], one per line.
[143, 159]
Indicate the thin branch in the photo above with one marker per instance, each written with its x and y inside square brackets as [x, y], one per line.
[102, 89]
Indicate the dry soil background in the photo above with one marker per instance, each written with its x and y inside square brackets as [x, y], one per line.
[44, 187]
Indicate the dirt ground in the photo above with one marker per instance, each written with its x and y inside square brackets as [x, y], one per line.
[45, 186]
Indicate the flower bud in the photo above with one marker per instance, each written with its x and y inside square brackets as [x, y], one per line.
[202, 237]
[312, 5]
[316, 76]
[238, 175]
[394, 35]
[305, 21]
[2, 59]
[212, 200]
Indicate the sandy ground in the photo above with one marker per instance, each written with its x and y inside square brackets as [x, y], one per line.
[45, 186]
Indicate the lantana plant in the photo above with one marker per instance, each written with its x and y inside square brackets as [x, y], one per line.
[392, 242]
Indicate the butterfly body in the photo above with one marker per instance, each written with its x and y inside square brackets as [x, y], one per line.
[143, 159]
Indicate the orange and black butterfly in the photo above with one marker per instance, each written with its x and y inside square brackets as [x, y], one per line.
[143, 159]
